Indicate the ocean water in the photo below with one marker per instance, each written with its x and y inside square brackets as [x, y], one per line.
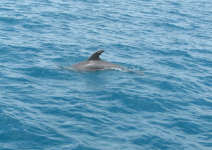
[166, 106]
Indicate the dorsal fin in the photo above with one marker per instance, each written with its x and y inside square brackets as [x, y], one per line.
[95, 56]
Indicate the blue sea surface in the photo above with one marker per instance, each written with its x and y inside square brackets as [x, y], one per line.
[164, 103]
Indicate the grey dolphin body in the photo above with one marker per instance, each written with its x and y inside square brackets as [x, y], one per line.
[95, 63]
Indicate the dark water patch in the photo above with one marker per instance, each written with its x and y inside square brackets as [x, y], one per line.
[202, 51]
[206, 80]
[173, 64]
[203, 62]
[167, 86]
[164, 84]
[169, 27]
[156, 142]
[18, 53]
[172, 53]
[17, 134]
[207, 118]
[88, 1]
[141, 104]
[37, 27]
[60, 16]
[41, 72]
[10, 20]
[187, 126]
[124, 47]
[202, 102]
[176, 4]
[83, 147]
[117, 109]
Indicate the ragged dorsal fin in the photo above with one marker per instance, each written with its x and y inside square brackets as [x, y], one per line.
[96, 55]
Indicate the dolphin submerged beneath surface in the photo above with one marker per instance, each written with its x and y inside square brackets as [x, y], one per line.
[94, 63]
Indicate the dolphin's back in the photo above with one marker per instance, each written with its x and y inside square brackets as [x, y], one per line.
[94, 65]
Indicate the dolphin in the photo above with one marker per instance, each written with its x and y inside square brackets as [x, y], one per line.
[95, 63]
